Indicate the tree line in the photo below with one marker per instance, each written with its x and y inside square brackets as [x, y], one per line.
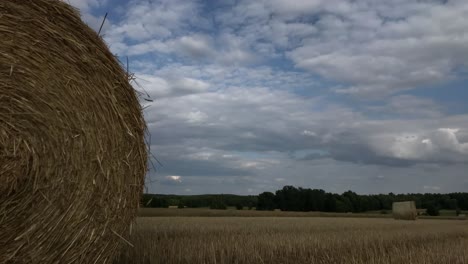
[290, 198]
[213, 201]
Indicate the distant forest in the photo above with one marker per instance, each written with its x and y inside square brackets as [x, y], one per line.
[290, 198]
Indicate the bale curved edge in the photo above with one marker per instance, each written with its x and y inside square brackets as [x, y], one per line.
[72, 150]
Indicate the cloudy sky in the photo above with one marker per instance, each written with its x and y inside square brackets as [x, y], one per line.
[249, 96]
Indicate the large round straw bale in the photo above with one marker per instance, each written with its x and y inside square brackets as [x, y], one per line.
[72, 151]
[404, 210]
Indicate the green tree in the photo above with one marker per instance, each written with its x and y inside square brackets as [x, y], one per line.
[330, 202]
[290, 198]
[343, 204]
[218, 204]
[451, 204]
[354, 200]
[314, 199]
[266, 201]
[432, 209]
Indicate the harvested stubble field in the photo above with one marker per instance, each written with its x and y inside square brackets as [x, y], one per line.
[296, 240]
[206, 212]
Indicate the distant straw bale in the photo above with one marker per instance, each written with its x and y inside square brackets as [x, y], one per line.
[404, 210]
[72, 152]
[461, 217]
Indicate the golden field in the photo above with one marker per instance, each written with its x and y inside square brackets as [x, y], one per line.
[287, 239]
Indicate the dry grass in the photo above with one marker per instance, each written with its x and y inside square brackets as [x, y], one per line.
[296, 240]
[205, 212]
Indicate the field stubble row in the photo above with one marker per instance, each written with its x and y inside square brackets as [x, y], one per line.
[296, 240]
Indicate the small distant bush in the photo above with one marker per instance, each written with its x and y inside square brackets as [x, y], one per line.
[239, 206]
[432, 210]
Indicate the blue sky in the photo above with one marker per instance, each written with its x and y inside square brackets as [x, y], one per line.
[252, 95]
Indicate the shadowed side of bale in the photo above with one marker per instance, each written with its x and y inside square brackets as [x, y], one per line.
[404, 210]
[72, 152]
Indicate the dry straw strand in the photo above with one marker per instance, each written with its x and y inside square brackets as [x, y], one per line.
[72, 151]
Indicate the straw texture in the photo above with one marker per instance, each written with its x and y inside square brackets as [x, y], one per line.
[72, 151]
[404, 210]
